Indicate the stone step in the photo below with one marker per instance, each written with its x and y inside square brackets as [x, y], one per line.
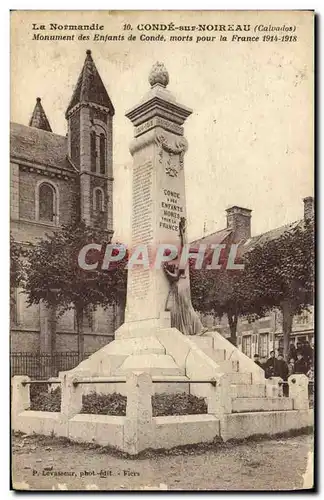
[228, 366]
[136, 345]
[250, 391]
[220, 354]
[155, 364]
[202, 342]
[216, 355]
[240, 378]
[242, 425]
[261, 404]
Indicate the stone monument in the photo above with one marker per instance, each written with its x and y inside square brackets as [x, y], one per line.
[148, 353]
[158, 201]
[161, 327]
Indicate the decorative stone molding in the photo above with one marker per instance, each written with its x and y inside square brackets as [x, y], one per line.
[87, 105]
[171, 153]
[158, 121]
[46, 171]
[142, 142]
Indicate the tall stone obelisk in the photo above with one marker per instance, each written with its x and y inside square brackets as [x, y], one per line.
[158, 199]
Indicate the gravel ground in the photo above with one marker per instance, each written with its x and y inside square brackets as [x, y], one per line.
[44, 463]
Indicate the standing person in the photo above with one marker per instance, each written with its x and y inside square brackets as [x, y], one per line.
[270, 365]
[281, 370]
[292, 354]
[263, 362]
[256, 359]
[300, 365]
[299, 347]
[310, 375]
[291, 367]
[308, 354]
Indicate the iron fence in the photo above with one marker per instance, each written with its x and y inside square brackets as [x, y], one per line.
[42, 366]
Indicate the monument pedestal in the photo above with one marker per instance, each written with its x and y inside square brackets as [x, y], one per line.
[146, 341]
[143, 328]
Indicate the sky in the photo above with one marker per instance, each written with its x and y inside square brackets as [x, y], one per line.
[251, 132]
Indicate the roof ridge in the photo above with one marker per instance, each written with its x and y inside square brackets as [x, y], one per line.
[39, 129]
[276, 228]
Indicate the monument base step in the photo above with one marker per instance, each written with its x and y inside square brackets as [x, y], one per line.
[204, 342]
[240, 378]
[240, 405]
[217, 355]
[250, 391]
[154, 364]
[228, 366]
[245, 424]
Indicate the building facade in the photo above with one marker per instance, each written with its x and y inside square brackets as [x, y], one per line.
[55, 179]
[265, 334]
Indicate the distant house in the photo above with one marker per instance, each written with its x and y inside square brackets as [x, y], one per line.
[263, 335]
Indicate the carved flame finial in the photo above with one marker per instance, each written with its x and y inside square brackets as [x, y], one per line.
[159, 74]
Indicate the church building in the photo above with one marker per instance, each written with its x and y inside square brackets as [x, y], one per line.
[54, 179]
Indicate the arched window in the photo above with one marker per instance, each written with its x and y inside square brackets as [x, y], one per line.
[93, 151]
[102, 154]
[98, 200]
[47, 203]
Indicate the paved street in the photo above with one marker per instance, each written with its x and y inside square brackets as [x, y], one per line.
[46, 463]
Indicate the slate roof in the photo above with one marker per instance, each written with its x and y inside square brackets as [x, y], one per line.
[90, 87]
[39, 146]
[217, 237]
[247, 245]
[39, 118]
[273, 234]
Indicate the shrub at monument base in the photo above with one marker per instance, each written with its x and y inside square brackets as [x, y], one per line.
[177, 404]
[46, 401]
[104, 404]
[115, 404]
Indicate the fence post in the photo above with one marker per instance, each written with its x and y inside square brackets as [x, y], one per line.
[298, 391]
[219, 402]
[20, 397]
[71, 396]
[138, 427]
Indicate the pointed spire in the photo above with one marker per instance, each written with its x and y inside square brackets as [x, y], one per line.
[90, 87]
[39, 118]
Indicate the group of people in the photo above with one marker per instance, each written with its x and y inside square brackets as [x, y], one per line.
[300, 361]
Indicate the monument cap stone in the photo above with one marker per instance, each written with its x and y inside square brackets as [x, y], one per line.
[159, 105]
[158, 75]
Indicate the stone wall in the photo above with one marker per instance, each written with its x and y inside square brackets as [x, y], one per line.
[27, 194]
[25, 331]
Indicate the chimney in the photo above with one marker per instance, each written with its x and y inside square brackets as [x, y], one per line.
[239, 219]
[308, 207]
